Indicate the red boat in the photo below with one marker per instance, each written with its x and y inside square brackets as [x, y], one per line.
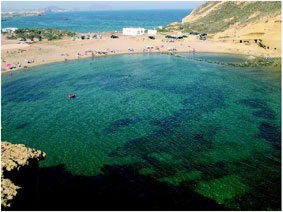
[71, 95]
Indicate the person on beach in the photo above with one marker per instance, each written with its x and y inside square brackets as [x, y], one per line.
[18, 65]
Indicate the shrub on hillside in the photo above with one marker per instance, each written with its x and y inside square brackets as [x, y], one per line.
[49, 34]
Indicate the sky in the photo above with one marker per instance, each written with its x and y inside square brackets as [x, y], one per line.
[93, 5]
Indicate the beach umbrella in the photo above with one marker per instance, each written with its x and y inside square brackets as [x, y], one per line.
[8, 65]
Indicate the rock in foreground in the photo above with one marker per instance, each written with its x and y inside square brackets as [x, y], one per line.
[18, 170]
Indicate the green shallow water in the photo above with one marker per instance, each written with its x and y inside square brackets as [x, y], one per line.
[211, 128]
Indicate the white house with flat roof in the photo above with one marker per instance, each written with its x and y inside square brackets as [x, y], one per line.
[133, 31]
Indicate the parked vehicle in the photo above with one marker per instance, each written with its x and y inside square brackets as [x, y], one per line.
[193, 33]
[151, 37]
[95, 36]
[201, 37]
[174, 36]
[114, 36]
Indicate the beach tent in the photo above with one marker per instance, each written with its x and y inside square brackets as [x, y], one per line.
[8, 65]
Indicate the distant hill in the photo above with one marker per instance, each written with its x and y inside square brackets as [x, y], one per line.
[218, 16]
[53, 9]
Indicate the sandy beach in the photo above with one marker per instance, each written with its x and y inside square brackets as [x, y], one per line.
[45, 52]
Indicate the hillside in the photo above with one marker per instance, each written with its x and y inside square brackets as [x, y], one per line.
[238, 22]
[213, 17]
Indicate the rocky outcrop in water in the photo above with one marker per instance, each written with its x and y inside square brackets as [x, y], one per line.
[19, 166]
[255, 62]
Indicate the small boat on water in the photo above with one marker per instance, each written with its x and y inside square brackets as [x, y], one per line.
[71, 95]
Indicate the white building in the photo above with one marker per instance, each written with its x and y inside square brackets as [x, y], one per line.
[9, 30]
[151, 32]
[133, 31]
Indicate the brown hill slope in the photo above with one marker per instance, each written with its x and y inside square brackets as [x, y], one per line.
[239, 21]
[219, 16]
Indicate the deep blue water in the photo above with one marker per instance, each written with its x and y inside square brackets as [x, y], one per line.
[99, 21]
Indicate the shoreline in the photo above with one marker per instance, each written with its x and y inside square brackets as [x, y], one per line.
[118, 54]
[56, 51]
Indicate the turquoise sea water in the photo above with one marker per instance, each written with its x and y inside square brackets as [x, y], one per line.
[99, 21]
[215, 130]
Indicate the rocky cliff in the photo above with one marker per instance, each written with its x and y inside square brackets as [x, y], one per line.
[19, 166]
